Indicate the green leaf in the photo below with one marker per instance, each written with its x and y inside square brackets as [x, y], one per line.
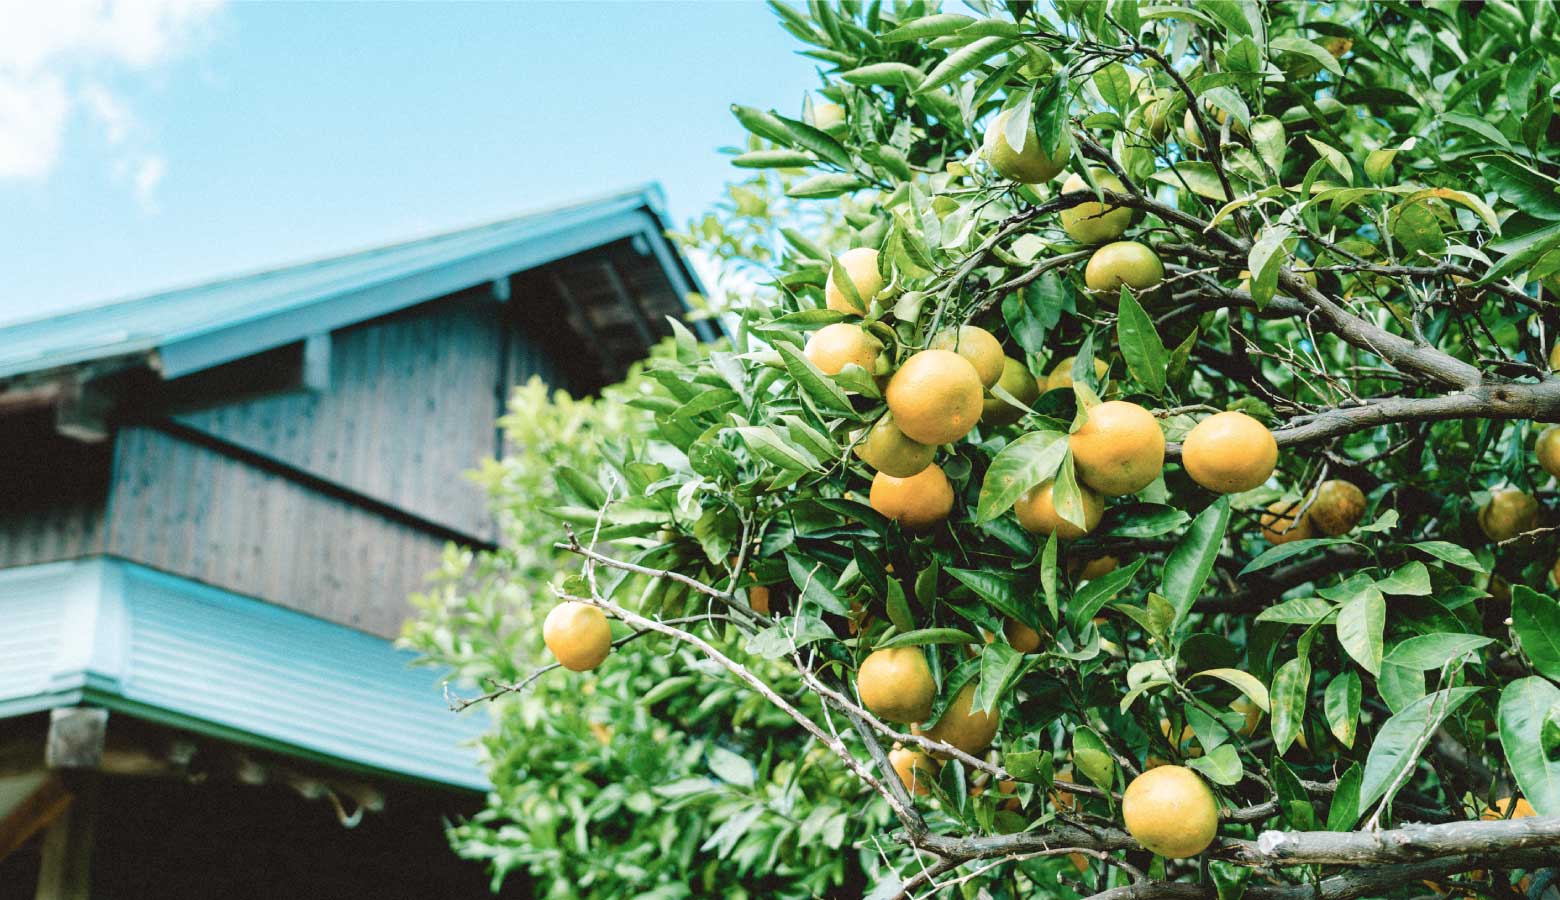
[999, 665]
[1298, 611]
[1432, 651]
[997, 588]
[811, 580]
[1092, 758]
[1033, 766]
[1142, 520]
[1409, 579]
[1345, 809]
[828, 184]
[1140, 344]
[1342, 707]
[1221, 765]
[1536, 620]
[1297, 46]
[1525, 706]
[1531, 191]
[1093, 596]
[885, 74]
[1242, 681]
[824, 392]
[927, 27]
[1477, 126]
[1201, 177]
[1290, 684]
[1361, 622]
[1267, 137]
[923, 636]
[731, 768]
[1066, 496]
[774, 159]
[1399, 686]
[1268, 255]
[1026, 462]
[1114, 85]
[1275, 555]
[765, 125]
[1188, 565]
[1461, 557]
[788, 635]
[1400, 740]
[897, 605]
[963, 60]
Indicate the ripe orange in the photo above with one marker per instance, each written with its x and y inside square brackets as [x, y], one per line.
[1094, 222]
[886, 449]
[1508, 513]
[1119, 449]
[1229, 452]
[1171, 811]
[1188, 744]
[1279, 525]
[915, 769]
[1251, 711]
[1123, 263]
[1061, 374]
[1502, 806]
[970, 732]
[1338, 507]
[1547, 450]
[1090, 569]
[861, 264]
[920, 501]
[1554, 357]
[833, 347]
[1037, 513]
[1031, 165]
[896, 684]
[977, 345]
[578, 635]
[758, 599]
[1020, 636]
[1021, 385]
[935, 397]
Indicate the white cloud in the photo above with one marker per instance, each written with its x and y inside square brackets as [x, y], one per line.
[56, 56]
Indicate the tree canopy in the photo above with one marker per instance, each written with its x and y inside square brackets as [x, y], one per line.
[1124, 481]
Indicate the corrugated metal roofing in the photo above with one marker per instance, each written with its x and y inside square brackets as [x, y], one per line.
[106, 632]
[205, 325]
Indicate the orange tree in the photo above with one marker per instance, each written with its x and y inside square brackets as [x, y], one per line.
[1139, 497]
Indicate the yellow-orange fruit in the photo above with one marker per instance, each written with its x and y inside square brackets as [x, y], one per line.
[1020, 636]
[1171, 811]
[915, 769]
[1064, 801]
[1188, 744]
[896, 684]
[1508, 513]
[1094, 222]
[1020, 385]
[1547, 450]
[935, 397]
[977, 345]
[1127, 263]
[1036, 511]
[1279, 525]
[1229, 452]
[920, 501]
[1119, 449]
[1554, 573]
[833, 347]
[1554, 357]
[1091, 569]
[888, 450]
[966, 730]
[1251, 711]
[1030, 165]
[1061, 374]
[1337, 508]
[1503, 809]
[861, 264]
[578, 635]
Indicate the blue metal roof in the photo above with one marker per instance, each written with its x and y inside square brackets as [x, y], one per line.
[105, 632]
[197, 327]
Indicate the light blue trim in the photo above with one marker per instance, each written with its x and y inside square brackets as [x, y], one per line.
[112, 633]
[198, 327]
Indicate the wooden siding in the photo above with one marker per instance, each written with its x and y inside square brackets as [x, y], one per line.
[52, 492]
[190, 510]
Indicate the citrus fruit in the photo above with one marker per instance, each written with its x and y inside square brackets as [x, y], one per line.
[1062, 373]
[1092, 568]
[1020, 636]
[966, 730]
[1547, 450]
[861, 264]
[1029, 165]
[935, 397]
[1229, 452]
[1508, 513]
[1127, 263]
[578, 635]
[1171, 811]
[1019, 384]
[1094, 222]
[977, 345]
[896, 684]
[1279, 525]
[917, 502]
[886, 449]
[915, 769]
[1337, 507]
[833, 347]
[1037, 513]
[1119, 449]
[1251, 711]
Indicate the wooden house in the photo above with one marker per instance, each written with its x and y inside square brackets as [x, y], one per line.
[214, 503]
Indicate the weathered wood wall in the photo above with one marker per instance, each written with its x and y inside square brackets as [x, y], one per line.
[52, 493]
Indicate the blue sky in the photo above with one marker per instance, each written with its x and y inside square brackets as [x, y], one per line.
[242, 136]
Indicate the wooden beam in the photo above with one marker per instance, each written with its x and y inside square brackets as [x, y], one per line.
[631, 301]
[65, 867]
[76, 736]
[41, 808]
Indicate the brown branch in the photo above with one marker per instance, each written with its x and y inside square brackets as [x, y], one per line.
[1409, 843]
